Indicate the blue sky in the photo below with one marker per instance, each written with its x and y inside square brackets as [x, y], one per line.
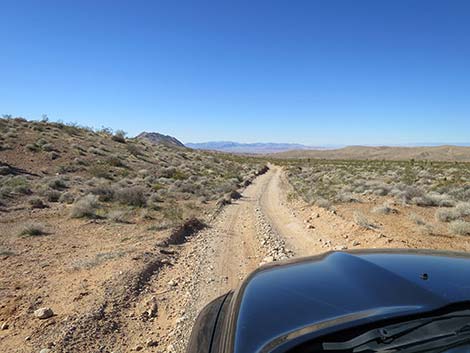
[313, 72]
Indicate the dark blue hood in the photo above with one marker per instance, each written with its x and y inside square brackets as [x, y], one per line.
[280, 303]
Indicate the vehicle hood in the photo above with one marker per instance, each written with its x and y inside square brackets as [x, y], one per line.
[282, 302]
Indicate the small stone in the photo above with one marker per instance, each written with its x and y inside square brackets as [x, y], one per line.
[138, 348]
[151, 343]
[268, 259]
[310, 226]
[356, 243]
[172, 283]
[44, 313]
[341, 247]
[5, 326]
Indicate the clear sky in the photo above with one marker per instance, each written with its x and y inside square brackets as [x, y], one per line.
[313, 71]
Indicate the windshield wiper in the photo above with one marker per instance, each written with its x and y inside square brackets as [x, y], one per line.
[412, 336]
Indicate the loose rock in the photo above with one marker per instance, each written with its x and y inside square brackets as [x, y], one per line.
[44, 313]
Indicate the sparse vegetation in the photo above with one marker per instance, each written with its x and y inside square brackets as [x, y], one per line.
[362, 221]
[32, 230]
[132, 196]
[85, 207]
[384, 209]
[459, 227]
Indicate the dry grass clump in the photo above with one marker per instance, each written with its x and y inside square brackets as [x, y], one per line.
[459, 227]
[85, 207]
[32, 230]
[362, 221]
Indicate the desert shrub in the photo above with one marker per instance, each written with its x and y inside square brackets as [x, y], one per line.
[32, 230]
[459, 227]
[417, 219]
[235, 195]
[11, 134]
[78, 147]
[134, 149]
[116, 161]
[99, 171]
[5, 170]
[346, 197]
[118, 216]
[22, 189]
[54, 155]
[156, 197]
[427, 229]
[66, 197]
[323, 203]
[97, 151]
[53, 195]
[57, 184]
[143, 173]
[47, 147]
[384, 209]
[85, 207]
[37, 202]
[173, 213]
[433, 199]
[446, 215]
[119, 136]
[104, 192]
[132, 196]
[32, 147]
[41, 142]
[463, 208]
[362, 221]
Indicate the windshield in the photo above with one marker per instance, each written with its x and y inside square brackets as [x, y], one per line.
[432, 334]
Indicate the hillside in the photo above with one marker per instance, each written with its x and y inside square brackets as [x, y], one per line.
[157, 138]
[85, 217]
[253, 148]
[436, 153]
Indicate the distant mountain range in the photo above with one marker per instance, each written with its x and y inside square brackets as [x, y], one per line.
[158, 138]
[418, 151]
[254, 148]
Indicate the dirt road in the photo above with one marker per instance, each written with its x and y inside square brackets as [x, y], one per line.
[257, 228]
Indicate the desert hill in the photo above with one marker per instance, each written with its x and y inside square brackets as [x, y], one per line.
[436, 153]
